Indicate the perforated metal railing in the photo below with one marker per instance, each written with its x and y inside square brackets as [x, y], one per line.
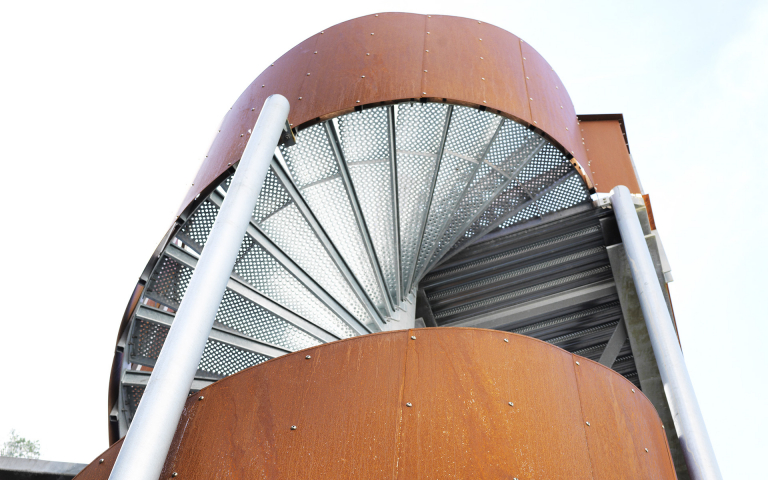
[348, 222]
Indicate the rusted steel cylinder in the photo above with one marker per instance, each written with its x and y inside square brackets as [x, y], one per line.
[436, 403]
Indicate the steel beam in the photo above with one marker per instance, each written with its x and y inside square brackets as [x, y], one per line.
[314, 224]
[618, 339]
[247, 291]
[689, 423]
[333, 139]
[146, 445]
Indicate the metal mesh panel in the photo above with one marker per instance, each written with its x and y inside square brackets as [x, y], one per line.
[148, 339]
[509, 199]
[419, 129]
[169, 282]
[364, 138]
[272, 198]
[482, 189]
[546, 168]
[291, 232]
[452, 177]
[255, 321]
[469, 136]
[271, 279]
[571, 192]
[132, 398]
[222, 359]
[314, 169]
[200, 224]
[512, 147]
[525, 214]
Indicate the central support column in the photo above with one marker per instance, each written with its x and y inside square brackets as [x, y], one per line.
[146, 445]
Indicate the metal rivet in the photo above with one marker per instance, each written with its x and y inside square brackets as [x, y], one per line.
[253, 109]
[531, 99]
[427, 33]
[566, 128]
[367, 54]
[241, 134]
[484, 101]
[322, 33]
[479, 21]
[263, 86]
[200, 398]
[588, 424]
[408, 404]
[662, 426]
[358, 101]
[308, 357]
[426, 51]
[646, 450]
[506, 340]
[481, 58]
[633, 390]
[229, 164]
[293, 427]
[371, 33]
[557, 87]
[272, 65]
[511, 404]
[315, 52]
[481, 39]
[175, 474]
[101, 460]
[307, 74]
[377, 15]
[482, 78]
[413, 337]
[423, 93]
[299, 98]
[523, 58]
[577, 363]
[425, 71]
[362, 76]
[561, 106]
[533, 121]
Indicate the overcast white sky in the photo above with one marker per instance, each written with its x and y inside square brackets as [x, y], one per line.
[106, 111]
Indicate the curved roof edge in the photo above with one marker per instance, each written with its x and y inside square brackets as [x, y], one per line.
[390, 57]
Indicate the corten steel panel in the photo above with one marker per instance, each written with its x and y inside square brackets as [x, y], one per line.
[100, 471]
[551, 108]
[475, 63]
[608, 155]
[394, 71]
[622, 425]
[349, 404]
[460, 382]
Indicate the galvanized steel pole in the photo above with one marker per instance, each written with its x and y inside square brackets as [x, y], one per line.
[146, 445]
[697, 448]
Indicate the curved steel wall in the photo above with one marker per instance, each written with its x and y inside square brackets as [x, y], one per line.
[389, 57]
[425, 403]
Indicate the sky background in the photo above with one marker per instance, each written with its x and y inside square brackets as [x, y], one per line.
[107, 110]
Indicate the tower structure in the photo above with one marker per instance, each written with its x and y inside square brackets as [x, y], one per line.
[432, 173]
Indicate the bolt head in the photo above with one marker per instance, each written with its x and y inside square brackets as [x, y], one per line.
[506, 340]
[587, 423]
[175, 474]
[413, 337]
[511, 404]
[646, 450]
[101, 460]
[408, 404]
[308, 357]
[633, 390]
[577, 363]
[293, 427]
[200, 398]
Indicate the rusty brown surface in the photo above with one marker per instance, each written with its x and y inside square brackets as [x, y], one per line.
[97, 470]
[608, 155]
[469, 63]
[349, 403]
[624, 433]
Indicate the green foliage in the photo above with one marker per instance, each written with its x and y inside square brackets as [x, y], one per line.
[20, 447]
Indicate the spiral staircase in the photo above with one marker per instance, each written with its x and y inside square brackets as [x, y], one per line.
[412, 214]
